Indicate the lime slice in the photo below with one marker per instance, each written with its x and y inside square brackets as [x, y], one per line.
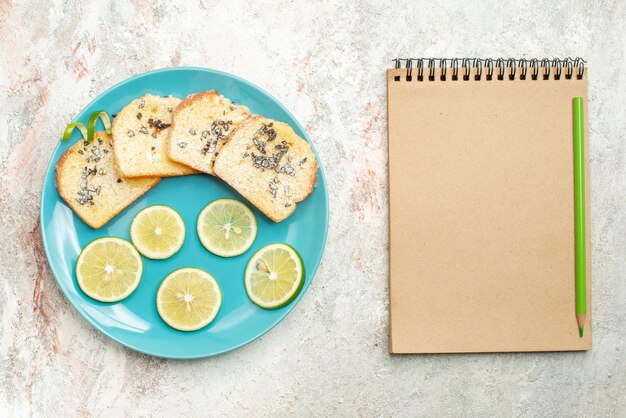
[188, 299]
[158, 232]
[227, 227]
[274, 276]
[108, 269]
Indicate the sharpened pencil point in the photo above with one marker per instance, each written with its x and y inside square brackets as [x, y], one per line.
[580, 318]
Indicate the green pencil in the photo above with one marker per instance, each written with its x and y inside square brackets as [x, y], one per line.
[579, 213]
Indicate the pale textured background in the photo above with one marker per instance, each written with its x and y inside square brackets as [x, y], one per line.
[326, 63]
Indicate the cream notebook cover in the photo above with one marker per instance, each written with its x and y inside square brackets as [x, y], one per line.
[481, 210]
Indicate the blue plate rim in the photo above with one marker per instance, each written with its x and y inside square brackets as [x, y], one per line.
[81, 311]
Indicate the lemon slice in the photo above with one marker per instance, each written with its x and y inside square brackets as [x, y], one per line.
[274, 276]
[188, 299]
[227, 227]
[158, 232]
[108, 269]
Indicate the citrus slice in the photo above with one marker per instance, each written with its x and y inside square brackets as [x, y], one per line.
[274, 276]
[188, 299]
[108, 269]
[226, 227]
[158, 232]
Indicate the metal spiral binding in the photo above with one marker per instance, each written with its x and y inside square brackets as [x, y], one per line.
[510, 68]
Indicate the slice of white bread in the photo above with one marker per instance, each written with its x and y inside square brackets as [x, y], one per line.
[89, 182]
[200, 126]
[271, 166]
[140, 136]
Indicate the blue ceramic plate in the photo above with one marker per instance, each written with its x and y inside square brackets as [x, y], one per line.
[134, 321]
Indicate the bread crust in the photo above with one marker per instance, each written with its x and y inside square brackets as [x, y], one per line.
[187, 101]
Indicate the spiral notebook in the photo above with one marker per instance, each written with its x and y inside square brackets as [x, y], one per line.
[481, 185]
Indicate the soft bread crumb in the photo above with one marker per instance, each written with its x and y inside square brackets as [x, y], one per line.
[271, 166]
[200, 127]
[101, 194]
[140, 137]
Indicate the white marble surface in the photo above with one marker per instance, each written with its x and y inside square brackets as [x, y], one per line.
[325, 62]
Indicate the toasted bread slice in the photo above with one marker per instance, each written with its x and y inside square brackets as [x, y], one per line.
[200, 126]
[89, 182]
[269, 165]
[140, 135]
